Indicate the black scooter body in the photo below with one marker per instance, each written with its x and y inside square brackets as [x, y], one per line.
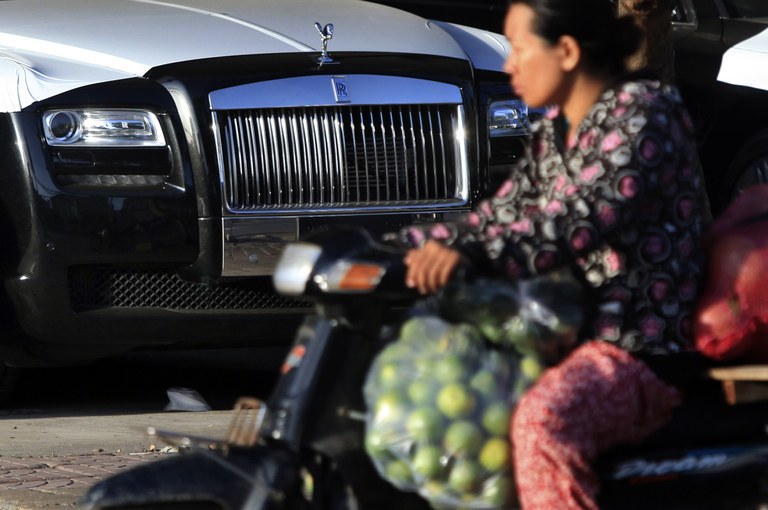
[710, 456]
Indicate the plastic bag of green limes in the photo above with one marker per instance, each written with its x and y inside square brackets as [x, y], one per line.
[538, 317]
[439, 403]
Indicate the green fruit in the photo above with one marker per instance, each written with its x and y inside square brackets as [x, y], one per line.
[389, 375]
[427, 462]
[399, 473]
[462, 340]
[374, 442]
[390, 408]
[419, 330]
[491, 330]
[495, 491]
[434, 490]
[421, 392]
[465, 476]
[381, 456]
[424, 424]
[519, 334]
[531, 368]
[494, 456]
[455, 401]
[462, 439]
[496, 419]
[449, 369]
[484, 383]
[392, 353]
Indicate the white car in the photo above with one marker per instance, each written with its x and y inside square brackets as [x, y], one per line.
[158, 154]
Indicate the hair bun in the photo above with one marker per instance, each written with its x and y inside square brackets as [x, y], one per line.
[626, 37]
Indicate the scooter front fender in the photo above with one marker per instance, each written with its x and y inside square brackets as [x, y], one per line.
[258, 478]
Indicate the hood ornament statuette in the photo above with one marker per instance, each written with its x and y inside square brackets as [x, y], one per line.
[326, 34]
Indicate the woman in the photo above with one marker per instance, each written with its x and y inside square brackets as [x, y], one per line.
[611, 188]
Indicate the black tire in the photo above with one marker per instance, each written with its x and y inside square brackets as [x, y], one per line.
[750, 166]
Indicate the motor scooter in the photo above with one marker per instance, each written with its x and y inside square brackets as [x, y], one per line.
[305, 446]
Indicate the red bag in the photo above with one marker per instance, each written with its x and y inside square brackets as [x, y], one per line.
[732, 315]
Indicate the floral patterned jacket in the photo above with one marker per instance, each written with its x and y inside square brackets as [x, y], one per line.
[623, 205]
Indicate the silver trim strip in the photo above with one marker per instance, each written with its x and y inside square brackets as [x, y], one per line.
[364, 89]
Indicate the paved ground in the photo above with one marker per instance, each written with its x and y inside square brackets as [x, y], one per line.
[51, 462]
[32, 483]
[64, 429]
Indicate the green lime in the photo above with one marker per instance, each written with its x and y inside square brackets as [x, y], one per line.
[531, 367]
[374, 442]
[462, 340]
[496, 419]
[494, 456]
[419, 330]
[399, 473]
[389, 375]
[518, 334]
[377, 447]
[424, 424]
[449, 369]
[389, 408]
[455, 401]
[427, 462]
[434, 490]
[491, 330]
[422, 365]
[465, 476]
[463, 438]
[392, 353]
[421, 392]
[496, 491]
[484, 383]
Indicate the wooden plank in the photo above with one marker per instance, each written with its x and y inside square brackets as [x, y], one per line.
[740, 373]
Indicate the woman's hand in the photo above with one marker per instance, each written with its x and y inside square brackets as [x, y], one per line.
[430, 266]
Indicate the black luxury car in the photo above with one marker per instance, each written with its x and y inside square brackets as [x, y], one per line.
[152, 174]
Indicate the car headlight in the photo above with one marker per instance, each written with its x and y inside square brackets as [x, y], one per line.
[508, 118]
[102, 128]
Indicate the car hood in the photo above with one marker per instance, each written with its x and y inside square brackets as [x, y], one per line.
[47, 47]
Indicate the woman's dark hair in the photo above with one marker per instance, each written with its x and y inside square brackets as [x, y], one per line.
[605, 38]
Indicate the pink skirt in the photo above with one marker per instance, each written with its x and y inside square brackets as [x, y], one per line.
[597, 398]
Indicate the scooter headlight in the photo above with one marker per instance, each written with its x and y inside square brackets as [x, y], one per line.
[295, 267]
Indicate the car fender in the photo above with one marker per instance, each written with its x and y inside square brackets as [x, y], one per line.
[486, 50]
[746, 63]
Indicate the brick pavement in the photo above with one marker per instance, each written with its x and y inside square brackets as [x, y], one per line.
[34, 483]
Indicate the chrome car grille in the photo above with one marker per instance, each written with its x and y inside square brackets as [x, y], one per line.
[342, 156]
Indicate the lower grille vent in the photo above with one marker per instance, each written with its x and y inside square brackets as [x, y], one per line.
[105, 287]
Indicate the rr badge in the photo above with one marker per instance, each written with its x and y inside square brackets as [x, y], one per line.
[340, 89]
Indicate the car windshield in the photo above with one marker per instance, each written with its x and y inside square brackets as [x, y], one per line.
[747, 8]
